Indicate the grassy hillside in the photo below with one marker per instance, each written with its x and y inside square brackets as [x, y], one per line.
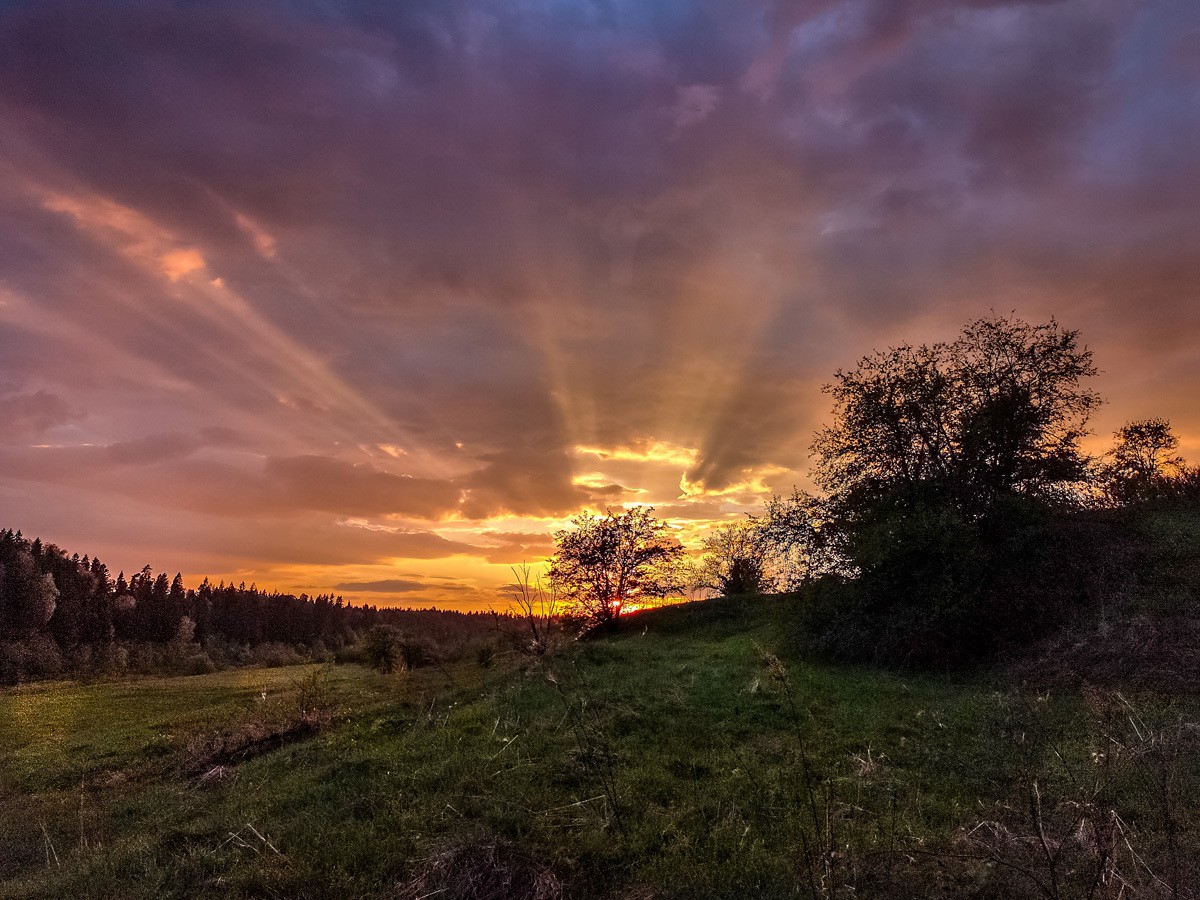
[689, 756]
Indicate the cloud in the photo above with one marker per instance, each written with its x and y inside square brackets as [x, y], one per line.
[528, 481]
[399, 586]
[25, 416]
[176, 471]
[515, 548]
[178, 263]
[643, 450]
[147, 451]
[323, 483]
[695, 103]
[127, 534]
[602, 490]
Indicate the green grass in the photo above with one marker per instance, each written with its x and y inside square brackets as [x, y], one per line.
[681, 758]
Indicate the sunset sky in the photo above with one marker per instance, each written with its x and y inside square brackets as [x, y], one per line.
[371, 297]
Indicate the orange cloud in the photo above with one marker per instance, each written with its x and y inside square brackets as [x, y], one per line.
[178, 263]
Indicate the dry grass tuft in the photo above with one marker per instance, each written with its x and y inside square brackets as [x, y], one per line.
[1145, 653]
[484, 869]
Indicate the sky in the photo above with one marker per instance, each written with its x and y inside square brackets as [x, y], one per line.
[373, 297]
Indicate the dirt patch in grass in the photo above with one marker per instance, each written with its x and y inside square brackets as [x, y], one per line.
[209, 753]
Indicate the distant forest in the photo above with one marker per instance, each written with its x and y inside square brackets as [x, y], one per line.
[62, 614]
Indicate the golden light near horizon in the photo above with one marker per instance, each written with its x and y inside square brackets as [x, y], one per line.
[376, 304]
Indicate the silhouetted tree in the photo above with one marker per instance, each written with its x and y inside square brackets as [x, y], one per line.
[604, 562]
[999, 410]
[537, 605]
[737, 559]
[41, 602]
[1143, 463]
[939, 474]
[28, 595]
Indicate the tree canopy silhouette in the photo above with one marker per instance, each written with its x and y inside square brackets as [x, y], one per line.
[999, 410]
[604, 562]
[1143, 463]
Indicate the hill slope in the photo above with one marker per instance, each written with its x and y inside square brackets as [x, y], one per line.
[688, 756]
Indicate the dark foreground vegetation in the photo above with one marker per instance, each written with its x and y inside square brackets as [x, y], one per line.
[695, 752]
[1103, 596]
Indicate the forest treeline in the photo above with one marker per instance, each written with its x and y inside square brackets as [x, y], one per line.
[62, 614]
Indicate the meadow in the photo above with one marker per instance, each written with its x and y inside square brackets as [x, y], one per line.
[696, 753]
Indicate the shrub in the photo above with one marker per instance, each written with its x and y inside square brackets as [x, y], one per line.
[43, 659]
[275, 655]
[381, 649]
[416, 652]
[112, 659]
[936, 590]
[319, 653]
[142, 659]
[387, 649]
[12, 662]
[33, 659]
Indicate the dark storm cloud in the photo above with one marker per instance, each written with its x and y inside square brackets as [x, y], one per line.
[402, 259]
[522, 481]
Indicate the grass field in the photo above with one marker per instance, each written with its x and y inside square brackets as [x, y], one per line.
[689, 756]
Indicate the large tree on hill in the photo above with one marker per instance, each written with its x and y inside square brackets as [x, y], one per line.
[602, 563]
[939, 476]
[998, 412]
